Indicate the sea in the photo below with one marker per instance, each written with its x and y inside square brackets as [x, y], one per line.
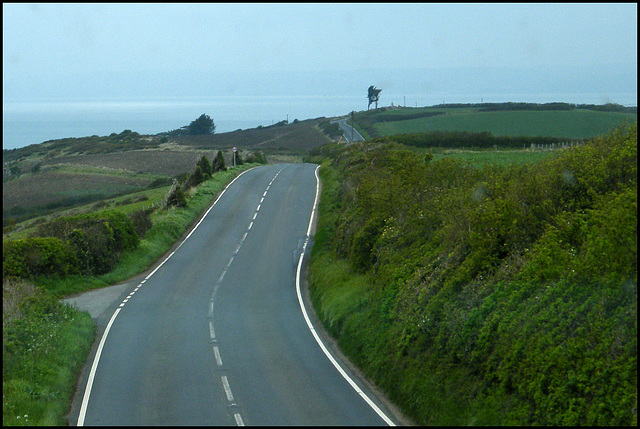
[33, 122]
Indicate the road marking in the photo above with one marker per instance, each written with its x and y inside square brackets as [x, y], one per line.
[94, 366]
[216, 353]
[335, 363]
[92, 373]
[216, 349]
[227, 388]
[212, 332]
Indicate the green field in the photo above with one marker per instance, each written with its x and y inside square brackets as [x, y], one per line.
[480, 159]
[571, 124]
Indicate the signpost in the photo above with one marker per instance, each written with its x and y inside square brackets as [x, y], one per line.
[235, 150]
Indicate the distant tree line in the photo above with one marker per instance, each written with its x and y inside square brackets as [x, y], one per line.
[491, 107]
[466, 139]
[203, 171]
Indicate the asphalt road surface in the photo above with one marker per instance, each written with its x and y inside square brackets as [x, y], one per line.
[350, 134]
[217, 335]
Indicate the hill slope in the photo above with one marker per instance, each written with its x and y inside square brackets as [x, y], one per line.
[496, 296]
[506, 119]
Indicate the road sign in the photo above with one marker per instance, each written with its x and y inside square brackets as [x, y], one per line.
[235, 149]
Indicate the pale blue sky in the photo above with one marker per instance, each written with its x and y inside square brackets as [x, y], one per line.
[54, 49]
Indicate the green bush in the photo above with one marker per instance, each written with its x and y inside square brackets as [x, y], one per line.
[141, 220]
[494, 296]
[37, 256]
[97, 239]
[218, 163]
[176, 198]
[196, 178]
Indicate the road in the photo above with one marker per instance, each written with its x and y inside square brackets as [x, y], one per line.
[350, 133]
[217, 334]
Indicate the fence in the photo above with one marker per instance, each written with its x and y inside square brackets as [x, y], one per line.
[555, 146]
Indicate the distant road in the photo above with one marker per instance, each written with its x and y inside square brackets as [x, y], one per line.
[216, 335]
[348, 130]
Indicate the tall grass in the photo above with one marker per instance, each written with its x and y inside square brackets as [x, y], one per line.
[43, 351]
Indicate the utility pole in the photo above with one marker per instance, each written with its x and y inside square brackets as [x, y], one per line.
[352, 124]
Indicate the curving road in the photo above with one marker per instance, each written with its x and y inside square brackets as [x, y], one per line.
[217, 334]
[350, 133]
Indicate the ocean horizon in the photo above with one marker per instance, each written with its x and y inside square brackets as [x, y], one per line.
[34, 122]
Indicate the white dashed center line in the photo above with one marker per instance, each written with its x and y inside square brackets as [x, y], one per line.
[216, 349]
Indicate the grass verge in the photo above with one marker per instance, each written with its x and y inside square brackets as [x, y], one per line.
[43, 352]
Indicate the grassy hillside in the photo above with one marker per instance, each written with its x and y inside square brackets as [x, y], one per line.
[493, 296]
[59, 174]
[573, 123]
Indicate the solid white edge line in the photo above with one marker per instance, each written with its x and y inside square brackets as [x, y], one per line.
[310, 325]
[92, 373]
[96, 359]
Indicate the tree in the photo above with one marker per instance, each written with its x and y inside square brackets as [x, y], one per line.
[218, 163]
[239, 160]
[205, 166]
[201, 126]
[176, 198]
[373, 95]
[196, 178]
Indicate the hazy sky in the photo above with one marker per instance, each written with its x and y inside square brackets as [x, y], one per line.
[52, 48]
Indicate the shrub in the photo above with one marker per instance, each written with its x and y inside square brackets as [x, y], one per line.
[141, 220]
[494, 296]
[257, 157]
[205, 166]
[176, 198]
[195, 178]
[97, 239]
[37, 256]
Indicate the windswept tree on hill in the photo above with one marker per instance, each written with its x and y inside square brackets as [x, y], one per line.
[202, 126]
[373, 96]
